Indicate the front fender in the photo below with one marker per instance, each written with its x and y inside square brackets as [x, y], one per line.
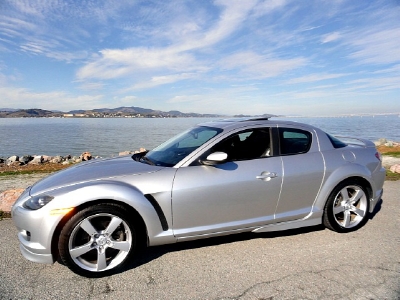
[116, 191]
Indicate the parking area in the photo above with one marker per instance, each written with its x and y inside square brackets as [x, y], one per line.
[311, 263]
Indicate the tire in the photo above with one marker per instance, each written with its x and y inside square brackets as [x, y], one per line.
[98, 241]
[347, 207]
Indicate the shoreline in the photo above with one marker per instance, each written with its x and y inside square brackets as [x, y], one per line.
[16, 175]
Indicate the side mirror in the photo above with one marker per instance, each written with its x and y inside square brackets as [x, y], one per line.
[215, 158]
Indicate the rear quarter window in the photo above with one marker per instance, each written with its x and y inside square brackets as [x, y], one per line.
[336, 143]
[294, 141]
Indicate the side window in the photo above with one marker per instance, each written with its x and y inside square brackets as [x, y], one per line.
[245, 145]
[294, 141]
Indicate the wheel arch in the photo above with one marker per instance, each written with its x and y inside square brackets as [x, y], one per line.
[357, 173]
[138, 220]
[144, 207]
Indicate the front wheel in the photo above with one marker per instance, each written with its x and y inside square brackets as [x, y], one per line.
[347, 207]
[97, 241]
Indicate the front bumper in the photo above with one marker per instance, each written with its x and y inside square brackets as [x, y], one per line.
[36, 257]
[35, 232]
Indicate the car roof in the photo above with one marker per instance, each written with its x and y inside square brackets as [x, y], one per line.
[233, 123]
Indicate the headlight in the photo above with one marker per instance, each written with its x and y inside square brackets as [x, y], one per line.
[37, 202]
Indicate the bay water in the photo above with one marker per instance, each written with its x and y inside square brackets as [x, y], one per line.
[108, 136]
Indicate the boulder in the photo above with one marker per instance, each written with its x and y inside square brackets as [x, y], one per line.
[15, 164]
[123, 153]
[12, 159]
[8, 198]
[395, 168]
[56, 159]
[86, 156]
[37, 160]
[140, 150]
[47, 158]
[25, 159]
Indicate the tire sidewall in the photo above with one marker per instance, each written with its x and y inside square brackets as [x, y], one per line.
[329, 218]
[63, 244]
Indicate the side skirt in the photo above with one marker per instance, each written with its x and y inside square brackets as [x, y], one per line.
[289, 225]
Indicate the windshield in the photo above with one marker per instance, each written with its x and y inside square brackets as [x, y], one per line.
[174, 150]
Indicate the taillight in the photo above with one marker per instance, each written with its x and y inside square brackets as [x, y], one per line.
[378, 156]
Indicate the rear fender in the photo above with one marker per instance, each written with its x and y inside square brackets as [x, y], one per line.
[347, 171]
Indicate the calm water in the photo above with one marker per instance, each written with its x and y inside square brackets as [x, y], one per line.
[107, 137]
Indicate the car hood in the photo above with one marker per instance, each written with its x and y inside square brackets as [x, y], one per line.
[92, 170]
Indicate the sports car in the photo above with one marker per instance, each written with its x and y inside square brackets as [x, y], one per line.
[217, 178]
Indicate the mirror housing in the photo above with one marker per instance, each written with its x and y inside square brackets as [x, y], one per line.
[215, 158]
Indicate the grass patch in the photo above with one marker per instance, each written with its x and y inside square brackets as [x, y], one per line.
[393, 154]
[4, 215]
[392, 176]
[22, 172]
[30, 169]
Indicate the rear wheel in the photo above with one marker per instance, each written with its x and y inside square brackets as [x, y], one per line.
[347, 207]
[97, 241]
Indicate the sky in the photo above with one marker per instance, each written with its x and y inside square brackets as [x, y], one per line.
[285, 57]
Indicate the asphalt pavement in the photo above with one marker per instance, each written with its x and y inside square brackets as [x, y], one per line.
[311, 263]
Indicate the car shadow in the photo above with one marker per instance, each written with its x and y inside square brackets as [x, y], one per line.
[149, 254]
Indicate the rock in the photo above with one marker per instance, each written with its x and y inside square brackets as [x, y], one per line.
[25, 159]
[2, 160]
[47, 158]
[140, 150]
[15, 164]
[56, 159]
[86, 156]
[37, 160]
[123, 153]
[381, 141]
[395, 168]
[8, 198]
[12, 159]
[389, 144]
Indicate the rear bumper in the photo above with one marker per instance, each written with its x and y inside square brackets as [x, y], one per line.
[374, 201]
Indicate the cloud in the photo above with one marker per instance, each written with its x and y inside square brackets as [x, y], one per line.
[56, 100]
[113, 63]
[258, 66]
[331, 37]
[377, 46]
[161, 80]
[117, 63]
[314, 78]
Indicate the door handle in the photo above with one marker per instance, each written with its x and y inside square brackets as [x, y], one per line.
[266, 176]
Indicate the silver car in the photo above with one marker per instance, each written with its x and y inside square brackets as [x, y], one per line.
[218, 178]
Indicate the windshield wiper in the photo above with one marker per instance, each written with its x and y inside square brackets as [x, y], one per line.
[147, 161]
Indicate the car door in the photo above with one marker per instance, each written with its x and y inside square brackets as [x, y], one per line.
[303, 168]
[239, 193]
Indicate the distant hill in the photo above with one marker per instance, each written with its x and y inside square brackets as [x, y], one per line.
[8, 109]
[28, 113]
[123, 111]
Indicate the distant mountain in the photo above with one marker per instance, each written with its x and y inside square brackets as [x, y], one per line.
[28, 113]
[123, 111]
[8, 109]
[258, 116]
